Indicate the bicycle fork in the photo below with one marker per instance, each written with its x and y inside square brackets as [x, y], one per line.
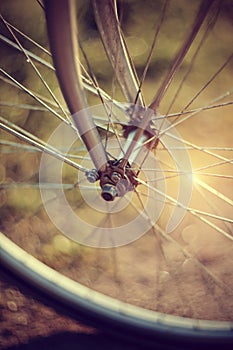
[116, 177]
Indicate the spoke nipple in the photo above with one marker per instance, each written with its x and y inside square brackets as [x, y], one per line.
[109, 192]
[92, 175]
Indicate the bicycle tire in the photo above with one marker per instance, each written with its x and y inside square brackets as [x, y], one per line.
[158, 331]
[77, 301]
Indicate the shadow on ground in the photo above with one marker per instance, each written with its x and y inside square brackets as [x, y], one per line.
[71, 341]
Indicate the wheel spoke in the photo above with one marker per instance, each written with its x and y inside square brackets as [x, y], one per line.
[195, 212]
[164, 241]
[34, 141]
[201, 15]
[30, 61]
[116, 49]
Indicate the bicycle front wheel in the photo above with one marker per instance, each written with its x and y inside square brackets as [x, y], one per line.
[154, 263]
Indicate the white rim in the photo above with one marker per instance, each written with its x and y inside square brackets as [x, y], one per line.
[42, 275]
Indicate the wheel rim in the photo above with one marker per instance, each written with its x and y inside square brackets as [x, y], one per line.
[194, 255]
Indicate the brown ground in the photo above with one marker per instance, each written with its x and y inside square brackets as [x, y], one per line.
[24, 319]
[27, 324]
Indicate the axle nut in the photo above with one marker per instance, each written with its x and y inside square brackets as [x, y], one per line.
[109, 192]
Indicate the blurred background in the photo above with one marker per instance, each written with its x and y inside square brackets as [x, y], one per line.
[22, 216]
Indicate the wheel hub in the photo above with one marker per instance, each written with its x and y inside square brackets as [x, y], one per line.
[115, 180]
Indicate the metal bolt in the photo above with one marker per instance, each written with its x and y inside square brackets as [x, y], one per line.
[115, 176]
[92, 175]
